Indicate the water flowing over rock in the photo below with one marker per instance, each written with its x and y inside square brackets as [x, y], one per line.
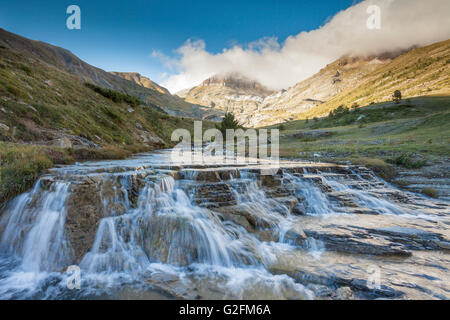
[149, 226]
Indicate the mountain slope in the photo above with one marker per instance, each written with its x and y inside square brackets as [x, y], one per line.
[65, 61]
[418, 72]
[40, 104]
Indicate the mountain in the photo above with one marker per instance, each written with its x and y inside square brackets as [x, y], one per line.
[336, 77]
[349, 81]
[228, 93]
[419, 72]
[64, 60]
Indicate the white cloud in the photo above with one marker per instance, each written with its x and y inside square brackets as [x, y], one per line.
[404, 23]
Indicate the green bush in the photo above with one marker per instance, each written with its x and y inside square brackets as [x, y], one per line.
[430, 192]
[379, 166]
[115, 96]
[406, 160]
[397, 96]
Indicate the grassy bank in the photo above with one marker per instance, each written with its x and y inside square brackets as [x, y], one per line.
[22, 164]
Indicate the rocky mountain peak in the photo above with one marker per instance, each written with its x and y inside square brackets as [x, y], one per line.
[238, 82]
[141, 80]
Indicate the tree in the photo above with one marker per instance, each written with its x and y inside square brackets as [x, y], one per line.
[228, 122]
[340, 109]
[397, 96]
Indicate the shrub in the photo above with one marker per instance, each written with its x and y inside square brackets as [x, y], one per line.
[430, 192]
[406, 160]
[115, 96]
[100, 154]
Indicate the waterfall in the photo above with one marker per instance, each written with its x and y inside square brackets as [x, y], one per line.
[34, 228]
[171, 230]
[315, 201]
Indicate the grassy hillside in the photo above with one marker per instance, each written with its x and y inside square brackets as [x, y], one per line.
[416, 125]
[360, 81]
[419, 72]
[66, 61]
[48, 116]
[43, 103]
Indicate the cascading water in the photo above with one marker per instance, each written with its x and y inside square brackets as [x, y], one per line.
[35, 229]
[145, 225]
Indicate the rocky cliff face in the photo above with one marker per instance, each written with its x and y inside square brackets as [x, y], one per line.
[239, 83]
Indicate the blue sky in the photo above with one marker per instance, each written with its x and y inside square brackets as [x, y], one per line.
[121, 35]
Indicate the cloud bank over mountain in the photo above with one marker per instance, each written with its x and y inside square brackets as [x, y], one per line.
[404, 23]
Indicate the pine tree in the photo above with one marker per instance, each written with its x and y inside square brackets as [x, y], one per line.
[228, 122]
